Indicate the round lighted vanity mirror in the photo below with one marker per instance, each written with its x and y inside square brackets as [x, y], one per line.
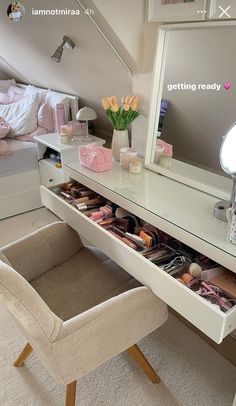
[228, 151]
[228, 164]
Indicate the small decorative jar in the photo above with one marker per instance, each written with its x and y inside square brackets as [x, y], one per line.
[126, 155]
[166, 155]
[63, 134]
[165, 161]
[135, 165]
[158, 154]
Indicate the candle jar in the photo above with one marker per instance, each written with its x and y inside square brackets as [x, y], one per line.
[126, 155]
[165, 161]
[135, 165]
[67, 130]
[63, 139]
[158, 154]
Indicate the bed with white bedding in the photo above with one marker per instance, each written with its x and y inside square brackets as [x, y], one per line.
[22, 157]
[19, 170]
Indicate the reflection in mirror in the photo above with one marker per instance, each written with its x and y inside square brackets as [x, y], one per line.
[228, 164]
[228, 152]
[194, 77]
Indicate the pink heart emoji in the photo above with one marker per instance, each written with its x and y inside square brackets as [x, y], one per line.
[227, 85]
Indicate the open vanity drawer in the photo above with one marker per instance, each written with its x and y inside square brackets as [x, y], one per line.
[209, 319]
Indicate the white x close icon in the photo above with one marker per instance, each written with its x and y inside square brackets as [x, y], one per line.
[224, 12]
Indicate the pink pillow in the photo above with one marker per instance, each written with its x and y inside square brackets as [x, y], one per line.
[45, 117]
[4, 128]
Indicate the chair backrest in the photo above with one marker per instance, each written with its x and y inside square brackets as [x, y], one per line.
[27, 307]
[41, 250]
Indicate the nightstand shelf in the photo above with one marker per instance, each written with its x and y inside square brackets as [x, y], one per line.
[49, 173]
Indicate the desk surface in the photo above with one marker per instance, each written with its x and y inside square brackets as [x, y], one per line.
[53, 140]
[189, 209]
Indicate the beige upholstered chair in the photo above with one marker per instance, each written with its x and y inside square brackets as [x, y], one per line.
[75, 306]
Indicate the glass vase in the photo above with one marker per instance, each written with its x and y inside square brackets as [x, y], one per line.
[120, 140]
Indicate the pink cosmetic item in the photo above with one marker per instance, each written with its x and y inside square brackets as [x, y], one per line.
[59, 116]
[106, 210]
[97, 215]
[96, 158]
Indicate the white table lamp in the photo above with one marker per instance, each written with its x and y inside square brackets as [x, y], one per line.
[86, 114]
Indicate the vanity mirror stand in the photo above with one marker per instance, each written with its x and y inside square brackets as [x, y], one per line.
[228, 164]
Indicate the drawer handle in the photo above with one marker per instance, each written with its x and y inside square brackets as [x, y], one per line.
[51, 180]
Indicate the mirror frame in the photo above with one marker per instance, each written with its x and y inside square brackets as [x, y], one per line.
[201, 179]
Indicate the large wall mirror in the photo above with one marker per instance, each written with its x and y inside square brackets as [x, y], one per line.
[193, 102]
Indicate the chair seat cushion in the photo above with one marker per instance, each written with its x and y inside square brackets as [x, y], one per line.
[81, 282]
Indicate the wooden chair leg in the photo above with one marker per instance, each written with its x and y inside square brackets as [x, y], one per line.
[70, 394]
[138, 356]
[23, 356]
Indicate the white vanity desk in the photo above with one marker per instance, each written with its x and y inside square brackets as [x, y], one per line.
[177, 209]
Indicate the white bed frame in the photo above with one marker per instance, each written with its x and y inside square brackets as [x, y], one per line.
[20, 193]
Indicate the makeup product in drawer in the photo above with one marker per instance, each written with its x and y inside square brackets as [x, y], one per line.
[90, 204]
[126, 239]
[118, 222]
[66, 196]
[68, 185]
[147, 238]
[226, 281]
[176, 266]
[183, 249]
[83, 192]
[213, 294]
[157, 253]
[151, 231]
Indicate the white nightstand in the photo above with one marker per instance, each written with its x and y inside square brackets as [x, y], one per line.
[49, 173]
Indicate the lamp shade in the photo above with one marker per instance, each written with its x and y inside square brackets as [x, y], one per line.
[57, 54]
[86, 114]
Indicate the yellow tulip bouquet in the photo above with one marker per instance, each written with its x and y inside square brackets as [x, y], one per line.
[121, 117]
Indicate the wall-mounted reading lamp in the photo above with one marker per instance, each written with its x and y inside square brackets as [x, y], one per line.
[66, 43]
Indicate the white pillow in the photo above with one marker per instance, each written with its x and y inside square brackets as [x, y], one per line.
[5, 84]
[31, 90]
[22, 116]
[54, 98]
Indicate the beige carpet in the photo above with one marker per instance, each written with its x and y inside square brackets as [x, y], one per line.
[192, 373]
[16, 227]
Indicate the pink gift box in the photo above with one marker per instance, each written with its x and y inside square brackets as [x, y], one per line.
[96, 158]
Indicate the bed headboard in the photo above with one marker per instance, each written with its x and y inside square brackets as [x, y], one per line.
[73, 100]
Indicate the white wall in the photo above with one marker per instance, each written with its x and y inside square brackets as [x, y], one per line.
[126, 19]
[3, 74]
